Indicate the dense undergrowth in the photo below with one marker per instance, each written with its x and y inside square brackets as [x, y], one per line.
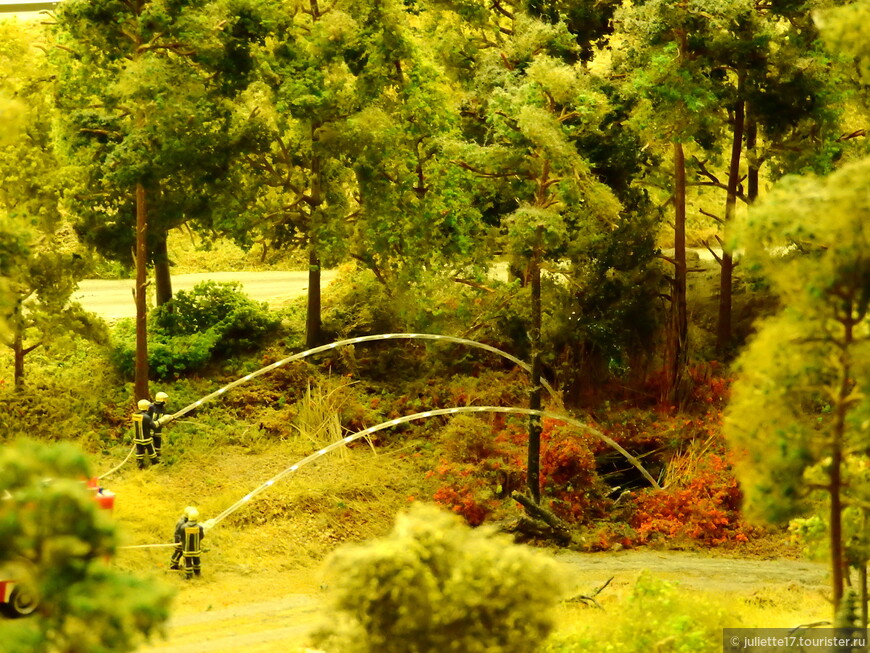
[470, 465]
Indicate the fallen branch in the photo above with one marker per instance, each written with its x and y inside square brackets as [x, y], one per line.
[590, 598]
[560, 529]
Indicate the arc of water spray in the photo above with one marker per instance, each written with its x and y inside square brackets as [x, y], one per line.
[211, 523]
[430, 413]
[333, 345]
[354, 341]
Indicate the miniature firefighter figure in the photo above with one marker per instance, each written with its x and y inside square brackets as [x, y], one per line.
[175, 562]
[193, 534]
[143, 426]
[156, 412]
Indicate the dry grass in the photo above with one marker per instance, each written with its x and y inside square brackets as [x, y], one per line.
[683, 466]
[275, 546]
[318, 414]
[276, 542]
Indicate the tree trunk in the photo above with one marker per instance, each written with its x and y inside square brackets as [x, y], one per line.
[751, 157]
[678, 326]
[162, 275]
[18, 353]
[726, 272]
[141, 382]
[838, 435]
[312, 317]
[534, 457]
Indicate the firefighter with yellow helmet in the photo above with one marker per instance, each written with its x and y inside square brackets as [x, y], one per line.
[157, 411]
[178, 551]
[143, 427]
[192, 543]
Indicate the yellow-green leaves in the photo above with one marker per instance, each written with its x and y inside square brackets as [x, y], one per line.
[847, 30]
[436, 585]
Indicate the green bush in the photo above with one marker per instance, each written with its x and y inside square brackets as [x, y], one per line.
[358, 305]
[434, 585]
[195, 327]
[58, 543]
[657, 616]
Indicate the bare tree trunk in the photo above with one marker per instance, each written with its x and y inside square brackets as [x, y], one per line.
[835, 488]
[726, 272]
[312, 317]
[534, 458]
[678, 324]
[862, 580]
[18, 353]
[751, 156]
[162, 274]
[141, 382]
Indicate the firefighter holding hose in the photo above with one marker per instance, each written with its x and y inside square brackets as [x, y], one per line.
[143, 427]
[192, 542]
[157, 411]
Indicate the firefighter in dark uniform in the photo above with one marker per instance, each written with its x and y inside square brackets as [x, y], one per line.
[156, 411]
[192, 545]
[175, 562]
[143, 426]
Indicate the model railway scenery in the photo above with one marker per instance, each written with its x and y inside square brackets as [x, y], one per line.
[429, 326]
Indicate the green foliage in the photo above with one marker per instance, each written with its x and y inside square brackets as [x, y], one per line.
[358, 305]
[39, 262]
[800, 405]
[56, 538]
[210, 321]
[435, 585]
[657, 616]
[782, 414]
[137, 97]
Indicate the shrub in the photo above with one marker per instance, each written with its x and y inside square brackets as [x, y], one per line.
[358, 305]
[185, 334]
[59, 543]
[435, 585]
[657, 616]
[484, 462]
[704, 506]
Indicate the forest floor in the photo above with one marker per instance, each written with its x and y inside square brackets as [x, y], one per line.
[265, 584]
[223, 614]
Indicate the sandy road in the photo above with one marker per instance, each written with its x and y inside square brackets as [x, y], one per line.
[112, 298]
[277, 625]
[283, 625]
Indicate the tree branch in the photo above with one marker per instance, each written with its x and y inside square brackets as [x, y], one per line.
[473, 284]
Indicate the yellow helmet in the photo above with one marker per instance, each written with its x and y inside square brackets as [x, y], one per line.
[144, 404]
[161, 396]
[191, 513]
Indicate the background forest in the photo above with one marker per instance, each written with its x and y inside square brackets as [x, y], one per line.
[663, 209]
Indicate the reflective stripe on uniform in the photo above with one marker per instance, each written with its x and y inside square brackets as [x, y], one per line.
[192, 537]
[139, 430]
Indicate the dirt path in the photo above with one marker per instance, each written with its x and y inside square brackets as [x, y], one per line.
[277, 625]
[283, 624]
[694, 570]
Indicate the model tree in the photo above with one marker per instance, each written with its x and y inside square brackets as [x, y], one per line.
[142, 122]
[40, 263]
[800, 405]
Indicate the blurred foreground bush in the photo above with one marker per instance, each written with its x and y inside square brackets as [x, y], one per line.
[435, 585]
[58, 542]
[185, 334]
